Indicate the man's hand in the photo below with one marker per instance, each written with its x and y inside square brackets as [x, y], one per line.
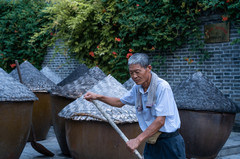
[133, 144]
[90, 96]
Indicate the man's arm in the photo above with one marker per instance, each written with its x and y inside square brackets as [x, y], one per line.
[151, 130]
[113, 101]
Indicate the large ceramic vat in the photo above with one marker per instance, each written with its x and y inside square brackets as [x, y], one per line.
[16, 105]
[41, 117]
[79, 71]
[51, 75]
[98, 140]
[88, 133]
[58, 103]
[207, 132]
[40, 85]
[15, 121]
[207, 116]
[63, 95]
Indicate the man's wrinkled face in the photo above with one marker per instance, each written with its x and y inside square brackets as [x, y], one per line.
[139, 74]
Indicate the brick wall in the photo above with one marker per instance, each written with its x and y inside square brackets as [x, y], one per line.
[223, 68]
[60, 63]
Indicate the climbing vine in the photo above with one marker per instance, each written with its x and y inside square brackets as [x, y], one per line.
[106, 33]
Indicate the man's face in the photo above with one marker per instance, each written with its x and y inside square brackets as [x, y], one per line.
[139, 74]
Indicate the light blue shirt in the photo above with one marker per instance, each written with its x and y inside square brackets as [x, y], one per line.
[165, 105]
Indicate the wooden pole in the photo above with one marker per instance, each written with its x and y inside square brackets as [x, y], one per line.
[115, 127]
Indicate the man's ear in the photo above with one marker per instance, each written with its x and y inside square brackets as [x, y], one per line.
[149, 67]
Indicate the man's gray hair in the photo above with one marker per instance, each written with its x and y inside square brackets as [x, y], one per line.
[139, 58]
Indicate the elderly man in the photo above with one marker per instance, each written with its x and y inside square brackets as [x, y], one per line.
[156, 111]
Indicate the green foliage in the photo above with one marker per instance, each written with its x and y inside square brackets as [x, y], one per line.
[106, 32]
[88, 29]
[157, 24]
[19, 20]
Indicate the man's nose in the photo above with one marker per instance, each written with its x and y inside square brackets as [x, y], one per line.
[134, 75]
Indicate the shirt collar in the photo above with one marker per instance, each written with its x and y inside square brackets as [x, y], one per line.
[141, 90]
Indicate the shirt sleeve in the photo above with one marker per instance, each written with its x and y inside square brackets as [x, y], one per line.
[129, 97]
[165, 101]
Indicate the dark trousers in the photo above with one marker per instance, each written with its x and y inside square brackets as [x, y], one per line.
[166, 148]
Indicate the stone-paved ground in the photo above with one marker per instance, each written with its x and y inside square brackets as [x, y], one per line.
[231, 149]
[50, 143]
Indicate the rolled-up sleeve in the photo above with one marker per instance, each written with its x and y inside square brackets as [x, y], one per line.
[130, 97]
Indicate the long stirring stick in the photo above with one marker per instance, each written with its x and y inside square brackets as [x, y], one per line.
[115, 127]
